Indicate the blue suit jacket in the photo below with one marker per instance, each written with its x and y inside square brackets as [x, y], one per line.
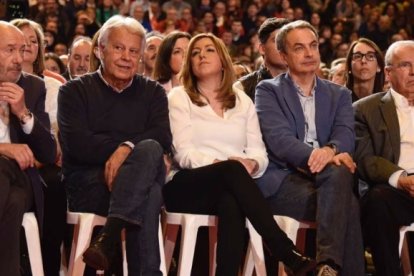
[283, 125]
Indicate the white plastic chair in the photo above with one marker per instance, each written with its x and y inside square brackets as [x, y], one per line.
[294, 229]
[190, 223]
[84, 225]
[403, 249]
[31, 230]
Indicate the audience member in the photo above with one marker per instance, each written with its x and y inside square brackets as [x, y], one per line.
[385, 135]
[54, 64]
[78, 58]
[24, 137]
[273, 65]
[221, 157]
[113, 164]
[365, 73]
[153, 41]
[170, 58]
[337, 72]
[308, 128]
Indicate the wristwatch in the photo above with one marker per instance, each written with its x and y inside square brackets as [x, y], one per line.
[334, 147]
[27, 115]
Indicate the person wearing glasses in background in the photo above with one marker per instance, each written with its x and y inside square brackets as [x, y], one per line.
[385, 159]
[364, 67]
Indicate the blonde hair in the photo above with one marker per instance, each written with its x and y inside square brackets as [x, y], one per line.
[226, 94]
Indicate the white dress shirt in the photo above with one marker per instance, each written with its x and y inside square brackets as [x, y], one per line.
[200, 135]
[405, 114]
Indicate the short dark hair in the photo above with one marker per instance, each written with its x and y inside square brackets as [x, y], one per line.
[298, 24]
[269, 26]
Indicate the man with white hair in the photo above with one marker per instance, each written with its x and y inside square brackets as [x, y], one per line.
[114, 130]
[24, 137]
[385, 158]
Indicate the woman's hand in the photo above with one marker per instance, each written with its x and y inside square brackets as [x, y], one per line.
[250, 165]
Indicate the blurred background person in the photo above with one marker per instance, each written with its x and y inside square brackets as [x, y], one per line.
[153, 41]
[78, 57]
[54, 63]
[170, 58]
[337, 72]
[365, 69]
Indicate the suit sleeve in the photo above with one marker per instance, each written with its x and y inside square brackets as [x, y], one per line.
[40, 139]
[371, 167]
[278, 132]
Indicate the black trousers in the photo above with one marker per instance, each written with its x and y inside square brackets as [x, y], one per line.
[384, 210]
[16, 198]
[54, 223]
[226, 189]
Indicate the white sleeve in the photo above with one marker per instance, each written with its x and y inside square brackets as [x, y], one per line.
[255, 148]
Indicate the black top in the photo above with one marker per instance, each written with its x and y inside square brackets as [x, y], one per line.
[94, 119]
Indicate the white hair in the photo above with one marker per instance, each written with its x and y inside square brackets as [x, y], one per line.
[389, 55]
[119, 21]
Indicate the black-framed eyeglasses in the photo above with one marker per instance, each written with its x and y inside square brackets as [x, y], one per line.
[369, 56]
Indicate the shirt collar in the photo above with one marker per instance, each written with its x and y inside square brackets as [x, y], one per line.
[107, 83]
[299, 90]
[400, 101]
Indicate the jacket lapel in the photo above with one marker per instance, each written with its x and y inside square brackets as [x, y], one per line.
[390, 117]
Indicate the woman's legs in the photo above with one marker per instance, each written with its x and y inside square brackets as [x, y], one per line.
[207, 190]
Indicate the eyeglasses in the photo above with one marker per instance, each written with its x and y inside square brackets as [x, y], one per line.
[369, 56]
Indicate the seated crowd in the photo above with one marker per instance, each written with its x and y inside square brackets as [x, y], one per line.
[220, 108]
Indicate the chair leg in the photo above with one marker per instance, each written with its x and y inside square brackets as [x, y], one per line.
[188, 241]
[212, 233]
[162, 254]
[33, 243]
[171, 233]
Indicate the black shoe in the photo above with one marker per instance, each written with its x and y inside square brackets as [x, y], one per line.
[297, 265]
[101, 252]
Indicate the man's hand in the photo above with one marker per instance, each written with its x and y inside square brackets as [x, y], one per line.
[114, 162]
[406, 183]
[13, 95]
[250, 165]
[21, 153]
[344, 159]
[319, 158]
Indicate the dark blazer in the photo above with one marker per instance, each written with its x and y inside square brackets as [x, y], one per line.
[283, 125]
[377, 138]
[40, 140]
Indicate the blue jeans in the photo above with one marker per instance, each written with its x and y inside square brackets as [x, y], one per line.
[136, 198]
[327, 198]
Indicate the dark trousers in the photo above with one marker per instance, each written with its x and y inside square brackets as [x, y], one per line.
[328, 199]
[54, 221]
[384, 209]
[226, 189]
[136, 197]
[16, 198]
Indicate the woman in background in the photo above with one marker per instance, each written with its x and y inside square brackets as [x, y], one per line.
[219, 150]
[170, 58]
[365, 69]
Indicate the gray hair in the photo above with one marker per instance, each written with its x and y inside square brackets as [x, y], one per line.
[78, 40]
[119, 21]
[283, 32]
[389, 55]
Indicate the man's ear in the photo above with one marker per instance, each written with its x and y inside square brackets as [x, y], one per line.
[261, 49]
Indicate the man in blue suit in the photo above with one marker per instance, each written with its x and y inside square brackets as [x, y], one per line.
[308, 128]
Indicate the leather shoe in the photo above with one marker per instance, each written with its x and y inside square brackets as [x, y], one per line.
[297, 265]
[101, 252]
